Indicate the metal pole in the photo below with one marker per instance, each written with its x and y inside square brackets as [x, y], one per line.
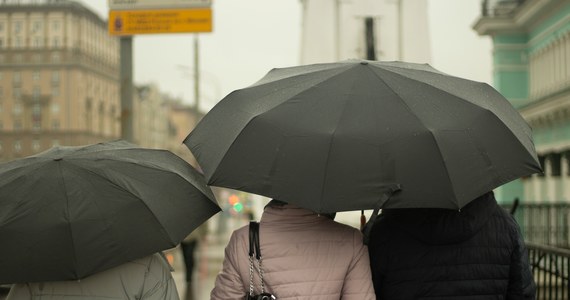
[127, 88]
[196, 73]
[400, 31]
[337, 28]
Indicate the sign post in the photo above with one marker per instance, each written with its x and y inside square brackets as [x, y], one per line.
[131, 17]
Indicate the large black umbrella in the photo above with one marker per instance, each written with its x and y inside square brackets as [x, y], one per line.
[70, 212]
[340, 136]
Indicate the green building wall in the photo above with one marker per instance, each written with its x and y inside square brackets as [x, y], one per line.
[511, 78]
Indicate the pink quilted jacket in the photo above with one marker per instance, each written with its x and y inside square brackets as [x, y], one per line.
[305, 256]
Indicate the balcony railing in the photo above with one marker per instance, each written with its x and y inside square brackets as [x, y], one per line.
[545, 223]
[499, 8]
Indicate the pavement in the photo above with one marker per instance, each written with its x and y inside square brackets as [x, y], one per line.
[209, 257]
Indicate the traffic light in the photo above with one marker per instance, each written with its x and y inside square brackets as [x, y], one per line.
[235, 203]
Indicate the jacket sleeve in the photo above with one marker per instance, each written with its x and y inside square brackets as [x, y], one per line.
[358, 281]
[228, 284]
[158, 281]
[521, 282]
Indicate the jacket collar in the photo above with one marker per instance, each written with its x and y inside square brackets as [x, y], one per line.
[290, 214]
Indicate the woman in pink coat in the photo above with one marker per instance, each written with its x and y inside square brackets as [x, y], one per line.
[304, 256]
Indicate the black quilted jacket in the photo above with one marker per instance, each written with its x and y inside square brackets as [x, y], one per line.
[476, 253]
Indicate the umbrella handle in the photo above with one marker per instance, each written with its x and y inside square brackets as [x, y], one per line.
[383, 199]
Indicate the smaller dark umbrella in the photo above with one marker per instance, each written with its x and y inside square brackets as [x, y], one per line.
[70, 212]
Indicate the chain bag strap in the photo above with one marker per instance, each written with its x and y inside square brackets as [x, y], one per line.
[255, 252]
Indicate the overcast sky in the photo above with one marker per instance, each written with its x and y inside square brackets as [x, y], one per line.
[252, 36]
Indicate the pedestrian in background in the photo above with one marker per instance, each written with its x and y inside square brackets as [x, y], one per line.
[476, 253]
[188, 247]
[305, 256]
[148, 278]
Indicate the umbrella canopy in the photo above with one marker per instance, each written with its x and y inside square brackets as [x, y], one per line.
[70, 212]
[338, 136]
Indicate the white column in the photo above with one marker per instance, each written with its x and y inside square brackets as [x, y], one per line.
[565, 178]
[549, 180]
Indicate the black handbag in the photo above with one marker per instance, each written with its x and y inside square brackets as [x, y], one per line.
[255, 253]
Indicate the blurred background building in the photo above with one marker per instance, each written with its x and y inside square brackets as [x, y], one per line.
[531, 67]
[59, 77]
[335, 30]
[59, 84]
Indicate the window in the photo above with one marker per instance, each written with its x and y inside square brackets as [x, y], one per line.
[55, 77]
[36, 145]
[55, 42]
[36, 93]
[36, 109]
[17, 108]
[55, 57]
[17, 77]
[555, 164]
[55, 91]
[17, 146]
[37, 26]
[55, 124]
[17, 26]
[37, 42]
[16, 92]
[36, 124]
[17, 125]
[55, 25]
[36, 75]
[55, 107]
[18, 42]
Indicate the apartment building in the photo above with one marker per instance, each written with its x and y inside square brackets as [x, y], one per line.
[59, 77]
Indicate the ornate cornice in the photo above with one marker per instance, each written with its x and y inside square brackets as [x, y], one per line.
[519, 22]
[548, 111]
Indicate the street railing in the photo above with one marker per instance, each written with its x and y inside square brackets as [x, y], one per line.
[551, 271]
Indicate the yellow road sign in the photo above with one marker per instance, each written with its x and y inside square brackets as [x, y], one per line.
[130, 22]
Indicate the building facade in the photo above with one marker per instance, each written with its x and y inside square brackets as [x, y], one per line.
[388, 30]
[531, 61]
[59, 77]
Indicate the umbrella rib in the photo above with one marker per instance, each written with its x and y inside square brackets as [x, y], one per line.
[125, 190]
[68, 218]
[332, 136]
[420, 121]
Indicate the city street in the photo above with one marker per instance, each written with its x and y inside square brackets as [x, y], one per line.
[209, 257]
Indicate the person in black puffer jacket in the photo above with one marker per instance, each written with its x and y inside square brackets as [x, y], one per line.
[476, 253]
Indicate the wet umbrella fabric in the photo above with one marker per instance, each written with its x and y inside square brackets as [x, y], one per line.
[73, 211]
[338, 136]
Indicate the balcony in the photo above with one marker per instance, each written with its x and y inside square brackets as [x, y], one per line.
[499, 8]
